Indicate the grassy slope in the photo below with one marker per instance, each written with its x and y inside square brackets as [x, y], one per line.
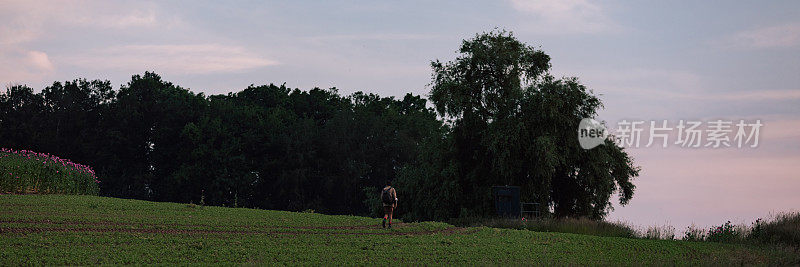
[54, 229]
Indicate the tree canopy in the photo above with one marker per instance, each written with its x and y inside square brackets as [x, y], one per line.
[514, 124]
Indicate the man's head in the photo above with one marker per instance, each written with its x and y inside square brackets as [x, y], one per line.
[388, 182]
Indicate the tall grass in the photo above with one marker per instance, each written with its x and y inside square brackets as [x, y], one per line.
[561, 225]
[665, 232]
[783, 228]
[28, 172]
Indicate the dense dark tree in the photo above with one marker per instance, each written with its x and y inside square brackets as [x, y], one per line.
[74, 110]
[514, 124]
[22, 114]
[143, 128]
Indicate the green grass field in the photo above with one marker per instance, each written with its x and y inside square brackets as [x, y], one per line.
[74, 230]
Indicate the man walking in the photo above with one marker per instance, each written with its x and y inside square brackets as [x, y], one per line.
[389, 199]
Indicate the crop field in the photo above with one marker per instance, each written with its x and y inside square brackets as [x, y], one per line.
[72, 230]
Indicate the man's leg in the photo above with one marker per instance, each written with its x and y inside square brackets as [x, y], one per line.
[390, 211]
[385, 215]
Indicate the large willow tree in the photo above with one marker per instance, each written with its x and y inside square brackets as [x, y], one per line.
[512, 123]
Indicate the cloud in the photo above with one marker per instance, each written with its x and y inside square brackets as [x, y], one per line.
[22, 65]
[675, 84]
[25, 21]
[373, 37]
[762, 95]
[778, 36]
[184, 59]
[19, 22]
[15, 32]
[705, 95]
[660, 81]
[133, 18]
[565, 16]
[39, 60]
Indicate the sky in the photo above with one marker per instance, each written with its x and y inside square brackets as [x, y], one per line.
[647, 60]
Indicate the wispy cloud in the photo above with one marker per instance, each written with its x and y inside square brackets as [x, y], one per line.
[762, 95]
[676, 85]
[134, 18]
[705, 95]
[22, 65]
[23, 23]
[565, 16]
[777, 36]
[19, 22]
[373, 37]
[39, 60]
[184, 59]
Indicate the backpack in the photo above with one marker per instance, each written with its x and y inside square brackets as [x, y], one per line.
[386, 196]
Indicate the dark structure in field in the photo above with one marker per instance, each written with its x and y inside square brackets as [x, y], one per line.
[506, 201]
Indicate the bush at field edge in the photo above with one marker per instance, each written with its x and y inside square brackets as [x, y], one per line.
[28, 172]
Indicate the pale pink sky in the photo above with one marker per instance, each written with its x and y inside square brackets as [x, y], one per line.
[683, 186]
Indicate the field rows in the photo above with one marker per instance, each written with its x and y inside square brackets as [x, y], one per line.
[75, 230]
[23, 226]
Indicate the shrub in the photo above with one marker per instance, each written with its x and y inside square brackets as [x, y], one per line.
[784, 228]
[28, 172]
[725, 233]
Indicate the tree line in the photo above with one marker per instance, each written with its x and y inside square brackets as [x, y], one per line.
[497, 117]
